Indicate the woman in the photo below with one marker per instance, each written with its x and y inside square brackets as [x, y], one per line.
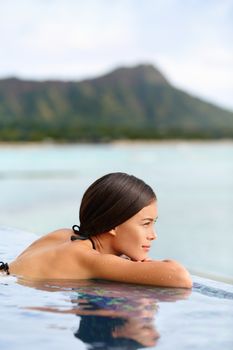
[117, 216]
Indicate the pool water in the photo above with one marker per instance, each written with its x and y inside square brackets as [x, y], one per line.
[109, 315]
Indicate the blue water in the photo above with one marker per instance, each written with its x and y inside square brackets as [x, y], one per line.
[41, 188]
[57, 315]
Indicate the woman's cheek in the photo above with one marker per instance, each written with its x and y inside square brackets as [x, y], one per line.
[132, 243]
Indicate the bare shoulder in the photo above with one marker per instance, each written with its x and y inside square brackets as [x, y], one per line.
[51, 238]
[62, 232]
[56, 235]
[168, 273]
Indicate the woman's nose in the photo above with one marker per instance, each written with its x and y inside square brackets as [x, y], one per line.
[153, 235]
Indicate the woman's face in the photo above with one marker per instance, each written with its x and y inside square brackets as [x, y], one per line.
[133, 238]
[139, 329]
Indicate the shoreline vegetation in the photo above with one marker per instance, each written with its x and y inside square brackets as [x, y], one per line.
[117, 143]
[136, 103]
[123, 142]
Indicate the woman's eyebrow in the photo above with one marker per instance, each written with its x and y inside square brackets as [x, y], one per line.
[150, 219]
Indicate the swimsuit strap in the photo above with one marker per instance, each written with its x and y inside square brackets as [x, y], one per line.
[76, 230]
[93, 244]
[4, 267]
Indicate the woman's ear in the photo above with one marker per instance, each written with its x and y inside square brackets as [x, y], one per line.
[113, 232]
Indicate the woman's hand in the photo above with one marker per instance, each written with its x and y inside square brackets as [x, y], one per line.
[147, 260]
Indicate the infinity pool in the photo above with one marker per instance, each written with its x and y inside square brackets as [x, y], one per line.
[109, 315]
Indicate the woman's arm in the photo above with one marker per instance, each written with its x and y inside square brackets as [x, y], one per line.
[166, 273]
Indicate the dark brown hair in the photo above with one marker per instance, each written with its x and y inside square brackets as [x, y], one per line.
[110, 201]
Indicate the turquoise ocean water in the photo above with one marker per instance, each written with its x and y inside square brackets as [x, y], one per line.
[41, 188]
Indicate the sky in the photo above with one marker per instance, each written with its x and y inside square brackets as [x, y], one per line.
[189, 41]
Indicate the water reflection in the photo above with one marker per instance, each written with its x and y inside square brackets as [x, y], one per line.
[102, 332]
[112, 315]
[117, 321]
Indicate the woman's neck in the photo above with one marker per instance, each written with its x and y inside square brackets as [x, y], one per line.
[103, 243]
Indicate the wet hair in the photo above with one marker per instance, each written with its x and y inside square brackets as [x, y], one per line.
[110, 201]
[97, 331]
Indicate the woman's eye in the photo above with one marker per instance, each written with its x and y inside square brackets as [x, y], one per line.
[147, 224]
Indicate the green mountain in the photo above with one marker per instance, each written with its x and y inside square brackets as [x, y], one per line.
[134, 103]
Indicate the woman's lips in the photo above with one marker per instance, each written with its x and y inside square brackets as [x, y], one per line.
[146, 247]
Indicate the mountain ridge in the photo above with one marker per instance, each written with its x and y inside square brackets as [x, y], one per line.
[128, 102]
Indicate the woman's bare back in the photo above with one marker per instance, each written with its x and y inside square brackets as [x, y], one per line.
[52, 256]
